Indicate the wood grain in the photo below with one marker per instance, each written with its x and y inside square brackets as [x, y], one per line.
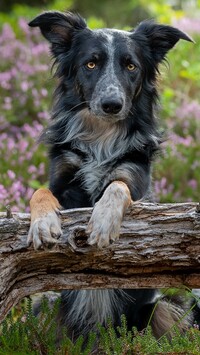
[159, 246]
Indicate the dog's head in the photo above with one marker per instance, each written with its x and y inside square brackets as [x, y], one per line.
[106, 69]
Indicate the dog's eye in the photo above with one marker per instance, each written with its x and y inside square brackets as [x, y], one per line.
[131, 66]
[91, 65]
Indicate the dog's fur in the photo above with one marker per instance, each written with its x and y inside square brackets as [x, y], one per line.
[102, 139]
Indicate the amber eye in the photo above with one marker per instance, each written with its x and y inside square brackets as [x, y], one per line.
[90, 65]
[131, 67]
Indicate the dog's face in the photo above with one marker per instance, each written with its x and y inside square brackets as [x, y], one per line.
[108, 67]
[109, 72]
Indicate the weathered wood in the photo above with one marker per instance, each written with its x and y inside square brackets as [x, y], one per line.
[159, 246]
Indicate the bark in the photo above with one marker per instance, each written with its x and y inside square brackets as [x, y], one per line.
[158, 247]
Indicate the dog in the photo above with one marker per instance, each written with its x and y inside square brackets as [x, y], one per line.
[102, 140]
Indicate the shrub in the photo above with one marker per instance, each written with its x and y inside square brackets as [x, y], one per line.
[37, 336]
[25, 97]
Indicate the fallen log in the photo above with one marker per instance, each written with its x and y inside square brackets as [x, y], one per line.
[159, 246]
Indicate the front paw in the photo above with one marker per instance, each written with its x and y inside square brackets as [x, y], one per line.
[45, 230]
[104, 226]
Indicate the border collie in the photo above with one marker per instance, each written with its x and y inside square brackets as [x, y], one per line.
[102, 140]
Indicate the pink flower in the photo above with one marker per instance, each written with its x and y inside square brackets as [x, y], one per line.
[11, 144]
[189, 110]
[44, 115]
[32, 169]
[11, 174]
[24, 26]
[22, 146]
[3, 193]
[193, 184]
[190, 25]
[44, 92]
[7, 34]
[24, 86]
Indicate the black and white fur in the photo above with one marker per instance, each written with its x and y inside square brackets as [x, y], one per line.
[103, 133]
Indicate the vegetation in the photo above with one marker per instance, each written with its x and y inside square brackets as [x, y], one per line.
[26, 88]
[29, 335]
[25, 99]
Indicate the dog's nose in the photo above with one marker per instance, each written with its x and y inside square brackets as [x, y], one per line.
[113, 106]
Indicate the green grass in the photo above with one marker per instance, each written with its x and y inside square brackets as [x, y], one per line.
[30, 335]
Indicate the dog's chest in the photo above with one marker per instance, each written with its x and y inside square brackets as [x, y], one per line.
[98, 165]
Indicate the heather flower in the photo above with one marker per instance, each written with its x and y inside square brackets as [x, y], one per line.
[39, 48]
[25, 85]
[193, 183]
[7, 34]
[176, 139]
[41, 169]
[3, 192]
[11, 174]
[44, 115]
[162, 188]
[7, 103]
[32, 169]
[190, 25]
[11, 144]
[25, 105]
[22, 146]
[24, 27]
[189, 110]
[44, 92]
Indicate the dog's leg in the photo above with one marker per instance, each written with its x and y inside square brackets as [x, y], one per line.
[45, 221]
[104, 225]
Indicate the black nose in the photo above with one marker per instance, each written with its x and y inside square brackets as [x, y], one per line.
[113, 106]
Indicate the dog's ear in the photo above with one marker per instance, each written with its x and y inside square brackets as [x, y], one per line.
[160, 38]
[58, 28]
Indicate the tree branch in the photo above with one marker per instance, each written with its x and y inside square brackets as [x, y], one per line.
[158, 247]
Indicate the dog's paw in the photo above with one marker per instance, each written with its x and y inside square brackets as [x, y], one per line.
[45, 230]
[104, 225]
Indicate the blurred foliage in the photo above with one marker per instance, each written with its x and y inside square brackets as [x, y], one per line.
[180, 113]
[117, 13]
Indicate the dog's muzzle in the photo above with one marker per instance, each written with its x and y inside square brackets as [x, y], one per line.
[109, 103]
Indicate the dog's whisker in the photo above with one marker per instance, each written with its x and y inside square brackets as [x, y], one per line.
[61, 115]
